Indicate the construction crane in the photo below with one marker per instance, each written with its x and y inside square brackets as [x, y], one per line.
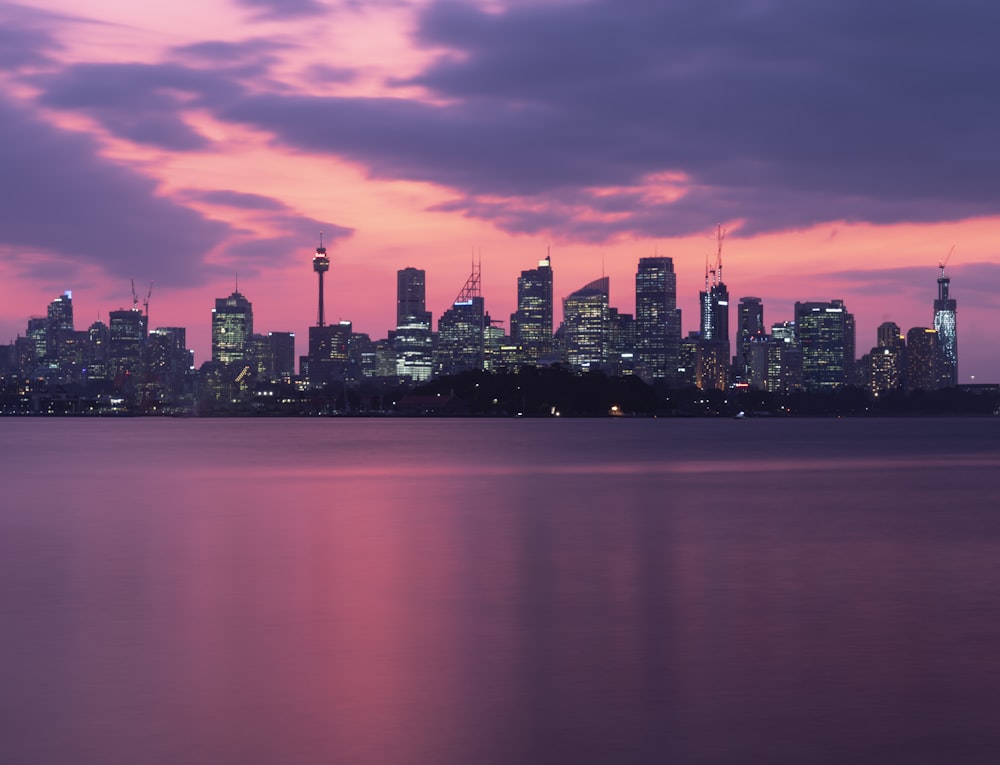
[135, 298]
[145, 303]
[943, 263]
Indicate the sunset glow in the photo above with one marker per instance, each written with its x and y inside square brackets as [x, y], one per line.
[845, 149]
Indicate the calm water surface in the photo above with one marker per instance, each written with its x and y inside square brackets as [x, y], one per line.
[477, 591]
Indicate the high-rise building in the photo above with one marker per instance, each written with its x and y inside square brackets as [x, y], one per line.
[713, 345]
[945, 309]
[924, 359]
[329, 348]
[750, 334]
[887, 360]
[657, 321]
[232, 327]
[784, 359]
[168, 362]
[586, 325]
[825, 334]
[126, 346]
[282, 346]
[60, 321]
[461, 340]
[413, 338]
[98, 350]
[411, 295]
[531, 324]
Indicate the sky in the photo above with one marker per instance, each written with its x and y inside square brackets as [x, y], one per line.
[846, 148]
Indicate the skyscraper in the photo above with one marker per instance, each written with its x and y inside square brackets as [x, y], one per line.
[531, 324]
[411, 295]
[825, 334]
[586, 325]
[945, 309]
[713, 344]
[462, 330]
[887, 360]
[750, 341]
[126, 342]
[232, 326]
[657, 322]
[413, 339]
[924, 359]
[60, 321]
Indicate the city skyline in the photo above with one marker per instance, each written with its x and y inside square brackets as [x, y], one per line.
[428, 134]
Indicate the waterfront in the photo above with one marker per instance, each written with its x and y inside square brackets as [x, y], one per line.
[499, 591]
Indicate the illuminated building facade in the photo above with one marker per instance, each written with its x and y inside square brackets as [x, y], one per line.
[232, 327]
[657, 320]
[586, 320]
[413, 339]
[531, 324]
[945, 322]
[825, 334]
[924, 359]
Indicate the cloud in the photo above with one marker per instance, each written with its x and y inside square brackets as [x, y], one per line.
[61, 198]
[142, 103]
[284, 9]
[779, 114]
[26, 39]
[974, 285]
[261, 246]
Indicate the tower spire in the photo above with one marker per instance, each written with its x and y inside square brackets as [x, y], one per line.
[321, 264]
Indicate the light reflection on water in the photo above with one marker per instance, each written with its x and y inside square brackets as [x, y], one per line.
[499, 591]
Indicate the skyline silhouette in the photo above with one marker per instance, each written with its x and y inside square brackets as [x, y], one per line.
[845, 149]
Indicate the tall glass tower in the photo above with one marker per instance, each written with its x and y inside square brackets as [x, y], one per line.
[413, 340]
[945, 323]
[531, 324]
[586, 325]
[232, 326]
[825, 333]
[657, 323]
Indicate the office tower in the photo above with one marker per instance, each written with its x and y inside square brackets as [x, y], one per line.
[531, 324]
[825, 334]
[925, 360]
[98, 350]
[168, 362]
[621, 343]
[329, 348]
[585, 326]
[232, 326]
[411, 295]
[126, 343]
[38, 332]
[60, 321]
[282, 347]
[784, 359]
[713, 346]
[413, 339]
[462, 330]
[945, 308]
[887, 360]
[321, 264]
[657, 323]
[715, 312]
[750, 335]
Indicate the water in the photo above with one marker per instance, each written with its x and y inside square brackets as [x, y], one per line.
[478, 591]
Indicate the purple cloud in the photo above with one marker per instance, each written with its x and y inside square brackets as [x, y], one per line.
[62, 198]
[254, 251]
[782, 114]
[284, 9]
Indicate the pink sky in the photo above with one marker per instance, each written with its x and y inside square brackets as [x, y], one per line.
[184, 144]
